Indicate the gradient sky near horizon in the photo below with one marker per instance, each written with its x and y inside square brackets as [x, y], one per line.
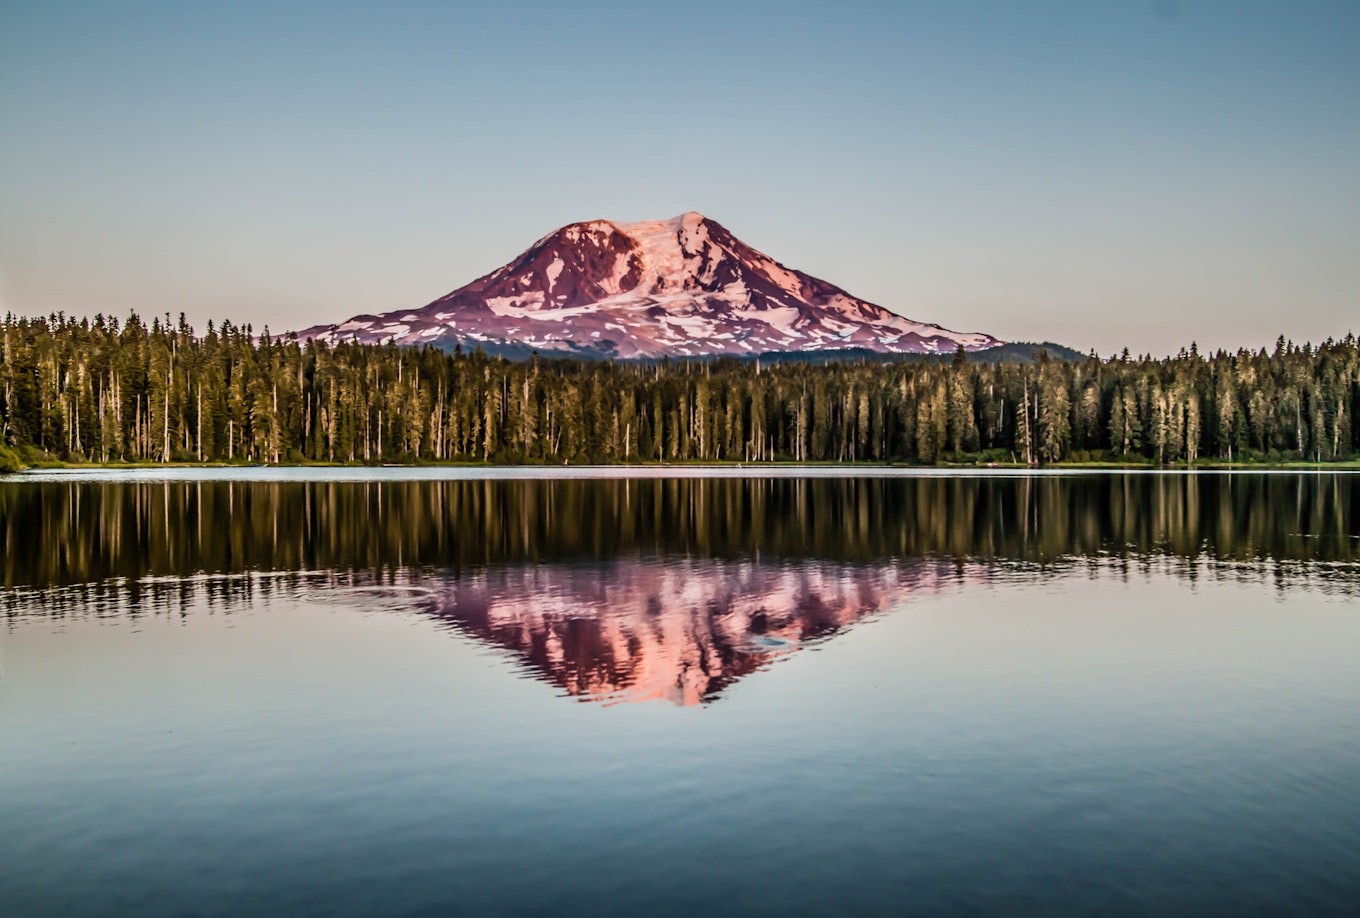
[1105, 174]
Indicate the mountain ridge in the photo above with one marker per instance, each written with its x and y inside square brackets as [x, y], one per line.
[684, 287]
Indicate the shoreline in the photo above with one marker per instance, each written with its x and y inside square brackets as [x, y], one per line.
[682, 469]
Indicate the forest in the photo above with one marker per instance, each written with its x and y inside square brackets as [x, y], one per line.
[100, 391]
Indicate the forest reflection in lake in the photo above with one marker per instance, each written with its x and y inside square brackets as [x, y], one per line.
[1115, 694]
[651, 588]
[54, 533]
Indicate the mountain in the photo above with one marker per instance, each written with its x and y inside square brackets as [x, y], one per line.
[679, 287]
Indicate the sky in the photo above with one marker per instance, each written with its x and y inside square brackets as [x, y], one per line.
[1137, 174]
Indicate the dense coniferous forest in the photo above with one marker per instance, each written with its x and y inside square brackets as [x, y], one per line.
[104, 391]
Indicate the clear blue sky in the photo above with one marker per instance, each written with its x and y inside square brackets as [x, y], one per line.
[1105, 174]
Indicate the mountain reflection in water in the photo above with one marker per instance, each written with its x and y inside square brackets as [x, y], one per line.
[682, 631]
[630, 590]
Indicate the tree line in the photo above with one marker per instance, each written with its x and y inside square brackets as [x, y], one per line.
[81, 390]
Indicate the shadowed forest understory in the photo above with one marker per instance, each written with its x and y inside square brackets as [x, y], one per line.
[103, 391]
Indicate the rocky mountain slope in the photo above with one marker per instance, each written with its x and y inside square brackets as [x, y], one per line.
[679, 287]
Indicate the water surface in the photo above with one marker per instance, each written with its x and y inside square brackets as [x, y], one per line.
[322, 692]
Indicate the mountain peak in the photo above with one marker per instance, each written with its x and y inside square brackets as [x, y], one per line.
[683, 286]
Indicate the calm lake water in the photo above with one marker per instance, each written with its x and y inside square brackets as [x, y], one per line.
[430, 691]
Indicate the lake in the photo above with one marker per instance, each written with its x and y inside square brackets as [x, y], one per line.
[672, 691]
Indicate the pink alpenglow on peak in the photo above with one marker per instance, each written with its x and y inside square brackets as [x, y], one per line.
[683, 287]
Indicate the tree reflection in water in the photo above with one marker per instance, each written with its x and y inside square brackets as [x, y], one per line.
[647, 588]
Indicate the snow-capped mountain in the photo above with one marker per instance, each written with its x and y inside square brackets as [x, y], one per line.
[679, 287]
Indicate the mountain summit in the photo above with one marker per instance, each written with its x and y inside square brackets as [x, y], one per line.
[679, 287]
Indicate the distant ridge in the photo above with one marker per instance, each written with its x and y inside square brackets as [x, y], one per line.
[683, 287]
